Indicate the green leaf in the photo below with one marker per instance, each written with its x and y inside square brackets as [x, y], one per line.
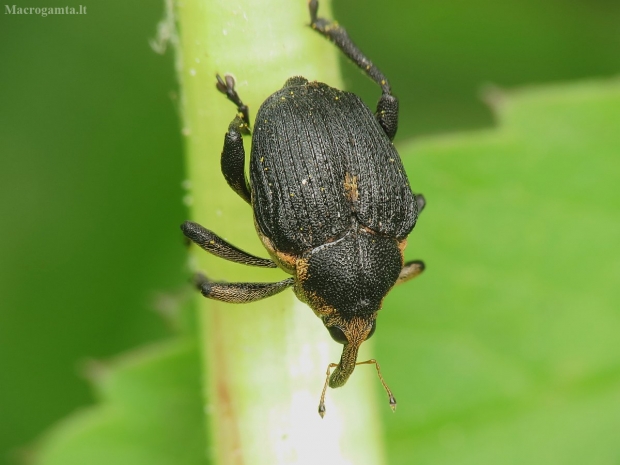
[506, 350]
[151, 413]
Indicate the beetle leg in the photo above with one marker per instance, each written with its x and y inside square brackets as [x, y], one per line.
[233, 160]
[239, 293]
[387, 108]
[214, 244]
[227, 87]
[410, 271]
[233, 154]
[387, 114]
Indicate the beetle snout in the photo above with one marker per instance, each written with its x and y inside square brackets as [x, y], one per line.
[346, 366]
[351, 333]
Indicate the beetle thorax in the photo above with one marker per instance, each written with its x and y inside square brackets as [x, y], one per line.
[350, 276]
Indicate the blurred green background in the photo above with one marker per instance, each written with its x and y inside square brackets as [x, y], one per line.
[91, 165]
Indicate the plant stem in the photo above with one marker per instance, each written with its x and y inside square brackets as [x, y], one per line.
[264, 362]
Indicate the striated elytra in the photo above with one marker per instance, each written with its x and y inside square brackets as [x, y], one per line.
[332, 203]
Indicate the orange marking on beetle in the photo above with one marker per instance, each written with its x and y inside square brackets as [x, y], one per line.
[401, 246]
[350, 187]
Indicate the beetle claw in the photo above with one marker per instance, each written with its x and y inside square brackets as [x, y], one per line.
[227, 85]
[220, 85]
[230, 82]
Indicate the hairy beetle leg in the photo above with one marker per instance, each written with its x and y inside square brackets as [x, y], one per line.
[227, 87]
[410, 270]
[391, 397]
[387, 108]
[214, 244]
[233, 153]
[239, 293]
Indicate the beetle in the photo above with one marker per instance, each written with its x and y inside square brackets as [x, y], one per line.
[331, 201]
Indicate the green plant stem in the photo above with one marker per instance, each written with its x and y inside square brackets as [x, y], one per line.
[264, 363]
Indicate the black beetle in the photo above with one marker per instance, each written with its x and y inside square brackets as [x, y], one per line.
[332, 203]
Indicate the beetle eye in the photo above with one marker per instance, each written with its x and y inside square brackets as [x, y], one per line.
[372, 330]
[337, 335]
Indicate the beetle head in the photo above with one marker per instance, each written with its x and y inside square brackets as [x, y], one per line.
[344, 282]
[351, 333]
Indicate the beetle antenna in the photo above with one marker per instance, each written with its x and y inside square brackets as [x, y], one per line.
[322, 401]
[367, 362]
[385, 386]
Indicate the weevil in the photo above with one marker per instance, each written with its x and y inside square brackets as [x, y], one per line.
[331, 201]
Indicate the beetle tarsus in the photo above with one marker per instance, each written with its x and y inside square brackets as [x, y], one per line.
[313, 6]
[227, 87]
